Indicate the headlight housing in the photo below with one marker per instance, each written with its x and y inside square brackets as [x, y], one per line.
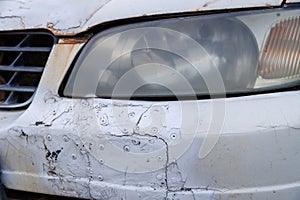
[217, 54]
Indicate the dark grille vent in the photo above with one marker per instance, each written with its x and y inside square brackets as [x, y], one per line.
[22, 60]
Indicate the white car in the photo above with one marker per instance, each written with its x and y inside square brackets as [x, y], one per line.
[150, 99]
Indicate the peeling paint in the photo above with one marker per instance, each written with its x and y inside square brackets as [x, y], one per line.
[73, 40]
[104, 149]
[64, 164]
[18, 15]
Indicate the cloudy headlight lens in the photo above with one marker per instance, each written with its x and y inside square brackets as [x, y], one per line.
[191, 56]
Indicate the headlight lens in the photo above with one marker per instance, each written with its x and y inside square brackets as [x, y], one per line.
[191, 56]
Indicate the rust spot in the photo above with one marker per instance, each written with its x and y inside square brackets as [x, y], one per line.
[67, 54]
[50, 25]
[198, 9]
[75, 40]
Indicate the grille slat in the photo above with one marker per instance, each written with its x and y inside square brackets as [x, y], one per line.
[17, 88]
[25, 49]
[22, 69]
[23, 56]
[10, 98]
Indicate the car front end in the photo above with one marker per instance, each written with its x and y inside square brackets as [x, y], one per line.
[151, 99]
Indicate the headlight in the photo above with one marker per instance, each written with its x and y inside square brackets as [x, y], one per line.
[191, 56]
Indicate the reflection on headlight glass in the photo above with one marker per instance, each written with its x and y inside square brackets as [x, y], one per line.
[191, 56]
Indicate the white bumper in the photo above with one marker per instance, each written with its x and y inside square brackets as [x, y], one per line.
[61, 146]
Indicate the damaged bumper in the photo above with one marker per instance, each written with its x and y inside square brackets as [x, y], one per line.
[114, 149]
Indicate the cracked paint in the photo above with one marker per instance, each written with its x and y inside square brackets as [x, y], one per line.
[61, 20]
[69, 163]
[84, 147]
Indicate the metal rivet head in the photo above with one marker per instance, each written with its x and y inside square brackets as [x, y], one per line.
[136, 142]
[173, 136]
[100, 177]
[101, 162]
[74, 157]
[132, 114]
[126, 148]
[49, 137]
[159, 177]
[154, 130]
[52, 167]
[124, 130]
[66, 139]
[101, 147]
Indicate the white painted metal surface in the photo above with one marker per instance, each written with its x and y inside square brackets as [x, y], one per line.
[76, 16]
[64, 146]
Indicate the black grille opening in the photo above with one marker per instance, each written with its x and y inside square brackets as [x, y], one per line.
[38, 41]
[7, 58]
[37, 59]
[11, 40]
[23, 57]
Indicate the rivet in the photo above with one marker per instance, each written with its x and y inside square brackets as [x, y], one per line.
[66, 139]
[104, 120]
[49, 138]
[173, 135]
[101, 162]
[154, 130]
[74, 157]
[159, 177]
[136, 142]
[101, 146]
[100, 177]
[52, 167]
[132, 114]
[126, 148]
[124, 130]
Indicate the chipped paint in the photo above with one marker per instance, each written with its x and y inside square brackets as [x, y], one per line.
[57, 161]
[104, 149]
[61, 20]
[74, 40]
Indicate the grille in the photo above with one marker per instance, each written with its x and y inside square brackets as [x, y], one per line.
[23, 57]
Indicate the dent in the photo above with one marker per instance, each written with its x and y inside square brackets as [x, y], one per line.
[70, 165]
